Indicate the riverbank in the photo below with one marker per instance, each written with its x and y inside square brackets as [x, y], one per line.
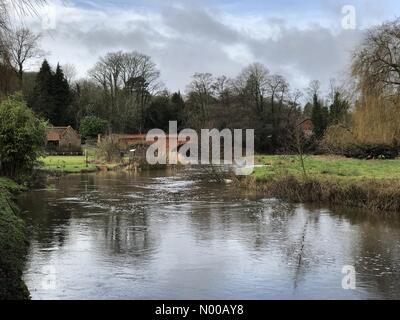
[59, 165]
[13, 244]
[372, 185]
[67, 164]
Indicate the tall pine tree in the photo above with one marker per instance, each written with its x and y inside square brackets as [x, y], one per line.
[41, 101]
[52, 97]
[319, 117]
[338, 109]
[62, 96]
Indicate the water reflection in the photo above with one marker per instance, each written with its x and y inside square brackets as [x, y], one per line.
[172, 235]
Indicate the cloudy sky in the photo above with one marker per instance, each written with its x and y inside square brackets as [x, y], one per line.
[303, 40]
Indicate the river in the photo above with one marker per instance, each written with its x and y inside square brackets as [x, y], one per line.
[174, 235]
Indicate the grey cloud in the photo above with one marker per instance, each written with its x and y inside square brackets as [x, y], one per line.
[198, 24]
[317, 53]
[193, 40]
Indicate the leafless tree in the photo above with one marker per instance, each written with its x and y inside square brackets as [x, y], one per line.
[121, 74]
[254, 81]
[299, 145]
[201, 91]
[23, 46]
[20, 7]
[376, 63]
[221, 87]
[294, 98]
[313, 89]
[277, 87]
[70, 72]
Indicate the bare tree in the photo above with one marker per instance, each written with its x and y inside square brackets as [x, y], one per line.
[23, 46]
[300, 144]
[107, 73]
[376, 63]
[294, 99]
[121, 74]
[20, 7]
[277, 87]
[201, 92]
[70, 72]
[253, 80]
[313, 89]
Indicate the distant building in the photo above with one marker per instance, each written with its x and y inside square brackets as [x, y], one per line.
[137, 142]
[307, 126]
[63, 140]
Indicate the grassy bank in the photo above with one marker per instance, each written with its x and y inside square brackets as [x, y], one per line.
[67, 164]
[373, 185]
[78, 164]
[13, 244]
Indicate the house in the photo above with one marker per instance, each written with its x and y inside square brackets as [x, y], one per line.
[307, 126]
[63, 140]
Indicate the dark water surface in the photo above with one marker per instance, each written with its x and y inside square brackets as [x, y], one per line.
[174, 236]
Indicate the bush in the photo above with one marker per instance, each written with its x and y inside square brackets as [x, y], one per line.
[22, 137]
[108, 150]
[340, 140]
[373, 132]
[373, 195]
[13, 245]
[91, 126]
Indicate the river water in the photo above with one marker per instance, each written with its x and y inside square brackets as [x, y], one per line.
[174, 235]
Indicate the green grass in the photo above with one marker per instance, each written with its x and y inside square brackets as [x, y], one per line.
[329, 168]
[373, 185]
[67, 164]
[10, 185]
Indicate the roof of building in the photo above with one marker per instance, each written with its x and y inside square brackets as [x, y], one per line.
[306, 123]
[56, 133]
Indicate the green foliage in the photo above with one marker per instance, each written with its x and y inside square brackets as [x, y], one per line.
[41, 100]
[91, 126]
[339, 109]
[328, 168]
[22, 137]
[13, 245]
[67, 164]
[163, 109]
[52, 97]
[319, 117]
[62, 97]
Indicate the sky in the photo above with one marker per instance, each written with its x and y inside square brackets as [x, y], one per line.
[302, 40]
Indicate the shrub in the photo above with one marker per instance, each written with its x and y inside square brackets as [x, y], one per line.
[22, 137]
[91, 126]
[108, 150]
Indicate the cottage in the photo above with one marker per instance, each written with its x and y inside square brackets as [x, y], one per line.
[63, 140]
[307, 126]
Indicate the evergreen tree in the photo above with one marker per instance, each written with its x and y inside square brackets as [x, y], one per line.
[338, 109]
[307, 112]
[52, 97]
[41, 101]
[62, 96]
[178, 106]
[319, 117]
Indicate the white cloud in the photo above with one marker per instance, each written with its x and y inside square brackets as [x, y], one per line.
[186, 39]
